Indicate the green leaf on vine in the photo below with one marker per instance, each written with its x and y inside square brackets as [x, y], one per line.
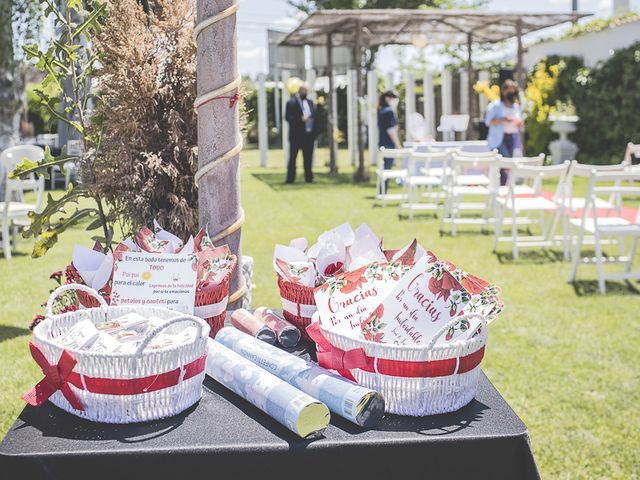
[91, 21]
[42, 221]
[44, 243]
[41, 168]
[49, 237]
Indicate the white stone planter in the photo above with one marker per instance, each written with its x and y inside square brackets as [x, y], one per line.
[563, 149]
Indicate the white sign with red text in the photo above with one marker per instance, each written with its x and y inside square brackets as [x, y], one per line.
[155, 280]
[348, 299]
[421, 303]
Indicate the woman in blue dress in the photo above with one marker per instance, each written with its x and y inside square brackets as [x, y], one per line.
[504, 120]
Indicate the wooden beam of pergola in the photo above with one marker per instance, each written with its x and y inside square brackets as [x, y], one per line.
[359, 29]
[442, 27]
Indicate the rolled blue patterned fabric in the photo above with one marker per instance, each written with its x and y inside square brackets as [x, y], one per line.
[294, 409]
[360, 405]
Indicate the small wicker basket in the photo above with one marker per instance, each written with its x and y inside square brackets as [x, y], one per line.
[211, 302]
[415, 380]
[298, 304]
[122, 388]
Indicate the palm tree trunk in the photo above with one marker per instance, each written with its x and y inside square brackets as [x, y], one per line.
[218, 130]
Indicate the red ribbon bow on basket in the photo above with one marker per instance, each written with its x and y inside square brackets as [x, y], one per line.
[55, 378]
[334, 358]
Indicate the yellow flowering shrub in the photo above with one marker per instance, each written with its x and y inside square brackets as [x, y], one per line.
[540, 97]
[491, 92]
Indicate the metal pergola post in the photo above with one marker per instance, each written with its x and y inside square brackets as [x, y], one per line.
[263, 134]
[360, 173]
[519, 61]
[333, 166]
[372, 97]
[470, 84]
[285, 125]
[276, 98]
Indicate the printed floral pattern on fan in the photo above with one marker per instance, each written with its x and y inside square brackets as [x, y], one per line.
[484, 295]
[147, 240]
[351, 281]
[115, 299]
[462, 326]
[372, 327]
[213, 266]
[202, 241]
[444, 285]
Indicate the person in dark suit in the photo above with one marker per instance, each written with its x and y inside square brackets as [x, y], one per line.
[300, 113]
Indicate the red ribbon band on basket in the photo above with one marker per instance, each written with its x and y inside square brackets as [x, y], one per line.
[59, 377]
[55, 378]
[334, 358]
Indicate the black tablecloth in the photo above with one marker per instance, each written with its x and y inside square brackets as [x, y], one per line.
[224, 435]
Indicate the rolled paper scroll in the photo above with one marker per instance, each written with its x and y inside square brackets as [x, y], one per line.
[294, 409]
[248, 323]
[287, 333]
[360, 405]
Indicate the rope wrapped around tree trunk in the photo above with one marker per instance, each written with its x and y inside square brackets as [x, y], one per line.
[219, 139]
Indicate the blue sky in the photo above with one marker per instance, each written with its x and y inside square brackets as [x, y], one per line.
[256, 16]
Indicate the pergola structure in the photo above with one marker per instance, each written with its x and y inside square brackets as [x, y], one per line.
[361, 29]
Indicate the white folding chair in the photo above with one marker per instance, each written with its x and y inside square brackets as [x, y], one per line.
[535, 203]
[472, 154]
[450, 124]
[416, 127]
[419, 184]
[399, 155]
[622, 184]
[468, 176]
[50, 140]
[438, 168]
[13, 210]
[572, 202]
[633, 150]
[526, 187]
[523, 186]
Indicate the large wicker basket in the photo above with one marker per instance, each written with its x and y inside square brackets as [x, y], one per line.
[298, 304]
[119, 388]
[414, 380]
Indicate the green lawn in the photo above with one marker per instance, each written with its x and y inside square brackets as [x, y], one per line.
[563, 357]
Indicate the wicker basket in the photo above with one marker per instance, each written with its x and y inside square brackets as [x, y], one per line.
[211, 303]
[414, 380]
[298, 304]
[119, 388]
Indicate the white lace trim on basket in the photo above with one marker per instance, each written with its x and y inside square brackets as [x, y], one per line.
[299, 309]
[211, 310]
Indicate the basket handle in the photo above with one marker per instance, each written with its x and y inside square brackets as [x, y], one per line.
[454, 321]
[72, 286]
[153, 333]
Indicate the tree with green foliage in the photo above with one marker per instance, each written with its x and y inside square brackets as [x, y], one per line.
[606, 99]
[70, 58]
[19, 23]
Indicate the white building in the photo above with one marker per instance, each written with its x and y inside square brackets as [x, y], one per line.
[593, 47]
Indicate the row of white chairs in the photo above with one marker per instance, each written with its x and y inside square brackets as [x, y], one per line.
[13, 208]
[455, 183]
